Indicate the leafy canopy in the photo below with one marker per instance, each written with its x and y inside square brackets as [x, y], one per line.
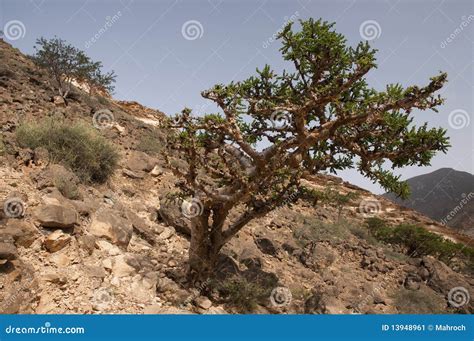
[321, 116]
[66, 63]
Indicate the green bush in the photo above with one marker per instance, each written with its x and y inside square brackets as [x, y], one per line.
[312, 229]
[67, 188]
[78, 147]
[242, 293]
[419, 242]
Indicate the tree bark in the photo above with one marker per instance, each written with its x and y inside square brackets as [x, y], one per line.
[202, 253]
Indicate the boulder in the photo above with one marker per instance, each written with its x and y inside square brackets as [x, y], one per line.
[140, 161]
[143, 288]
[56, 216]
[121, 267]
[53, 175]
[443, 280]
[266, 246]
[156, 171]
[170, 213]
[58, 101]
[110, 224]
[132, 174]
[141, 227]
[56, 241]
[250, 257]
[7, 251]
[23, 233]
[203, 302]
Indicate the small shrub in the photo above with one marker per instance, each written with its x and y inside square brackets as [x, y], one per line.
[76, 146]
[396, 256]
[422, 301]
[362, 232]
[312, 229]
[68, 188]
[242, 293]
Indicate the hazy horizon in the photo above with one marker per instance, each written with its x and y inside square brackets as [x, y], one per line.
[165, 53]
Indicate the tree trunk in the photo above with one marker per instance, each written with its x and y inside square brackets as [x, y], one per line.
[206, 243]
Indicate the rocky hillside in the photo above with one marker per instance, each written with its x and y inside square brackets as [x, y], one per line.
[69, 246]
[445, 195]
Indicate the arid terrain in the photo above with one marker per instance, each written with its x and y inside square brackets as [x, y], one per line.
[78, 248]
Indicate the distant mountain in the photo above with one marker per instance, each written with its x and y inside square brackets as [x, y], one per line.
[445, 195]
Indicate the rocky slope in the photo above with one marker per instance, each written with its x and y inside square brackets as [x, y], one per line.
[113, 249]
[445, 195]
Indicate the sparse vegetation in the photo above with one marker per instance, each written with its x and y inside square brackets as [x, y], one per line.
[67, 188]
[330, 197]
[78, 147]
[320, 116]
[417, 241]
[242, 294]
[313, 229]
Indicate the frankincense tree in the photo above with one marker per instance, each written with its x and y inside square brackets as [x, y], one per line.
[272, 128]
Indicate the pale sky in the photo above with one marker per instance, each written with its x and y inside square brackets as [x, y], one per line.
[166, 52]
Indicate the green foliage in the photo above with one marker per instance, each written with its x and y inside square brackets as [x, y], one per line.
[329, 196]
[310, 229]
[423, 301]
[243, 294]
[419, 242]
[275, 127]
[67, 188]
[66, 63]
[78, 147]
[328, 85]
